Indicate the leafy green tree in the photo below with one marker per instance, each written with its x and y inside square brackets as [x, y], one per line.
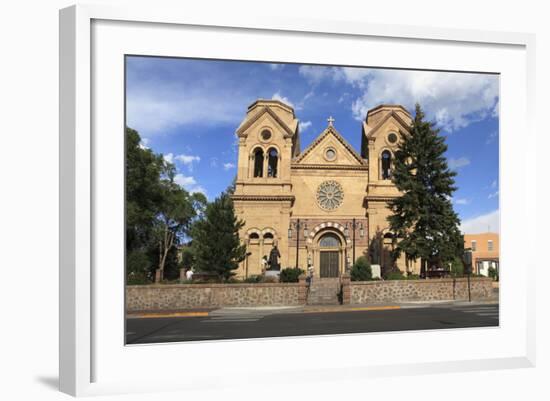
[139, 267]
[177, 211]
[216, 245]
[361, 270]
[143, 194]
[457, 267]
[187, 257]
[423, 218]
[159, 212]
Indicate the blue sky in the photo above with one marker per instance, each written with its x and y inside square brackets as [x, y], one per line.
[188, 110]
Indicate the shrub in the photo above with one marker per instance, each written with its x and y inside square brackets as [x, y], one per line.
[413, 277]
[253, 279]
[457, 268]
[493, 273]
[138, 267]
[361, 270]
[395, 275]
[290, 275]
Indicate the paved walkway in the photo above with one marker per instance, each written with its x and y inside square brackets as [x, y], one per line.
[272, 310]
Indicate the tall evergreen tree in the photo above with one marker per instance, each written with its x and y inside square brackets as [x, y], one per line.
[423, 219]
[215, 239]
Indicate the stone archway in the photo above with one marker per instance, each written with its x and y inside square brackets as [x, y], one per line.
[328, 250]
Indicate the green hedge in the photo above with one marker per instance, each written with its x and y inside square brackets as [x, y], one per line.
[361, 270]
[290, 275]
[395, 275]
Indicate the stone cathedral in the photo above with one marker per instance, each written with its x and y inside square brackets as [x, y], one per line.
[323, 206]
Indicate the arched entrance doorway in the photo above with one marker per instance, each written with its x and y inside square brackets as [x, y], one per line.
[329, 255]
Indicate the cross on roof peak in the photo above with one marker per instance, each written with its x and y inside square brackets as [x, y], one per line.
[330, 121]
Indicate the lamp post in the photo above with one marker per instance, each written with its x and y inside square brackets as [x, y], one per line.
[467, 259]
[354, 226]
[297, 225]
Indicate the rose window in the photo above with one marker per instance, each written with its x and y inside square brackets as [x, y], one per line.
[330, 195]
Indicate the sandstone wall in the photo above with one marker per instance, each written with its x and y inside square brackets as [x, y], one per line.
[419, 290]
[188, 296]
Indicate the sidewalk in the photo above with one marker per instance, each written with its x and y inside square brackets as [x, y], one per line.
[270, 310]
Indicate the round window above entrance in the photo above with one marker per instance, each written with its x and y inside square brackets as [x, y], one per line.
[330, 195]
[392, 137]
[330, 154]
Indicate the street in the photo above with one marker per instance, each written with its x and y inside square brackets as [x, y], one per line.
[264, 323]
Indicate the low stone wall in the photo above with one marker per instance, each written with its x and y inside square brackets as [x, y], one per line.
[447, 289]
[186, 296]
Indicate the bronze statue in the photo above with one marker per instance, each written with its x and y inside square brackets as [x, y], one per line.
[274, 256]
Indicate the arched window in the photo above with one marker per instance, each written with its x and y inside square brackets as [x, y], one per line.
[268, 236]
[272, 159]
[254, 236]
[258, 163]
[386, 165]
[329, 241]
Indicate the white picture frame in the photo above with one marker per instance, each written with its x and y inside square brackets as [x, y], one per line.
[91, 353]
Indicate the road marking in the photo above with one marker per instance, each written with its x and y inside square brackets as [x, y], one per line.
[174, 314]
[364, 308]
[228, 320]
[489, 311]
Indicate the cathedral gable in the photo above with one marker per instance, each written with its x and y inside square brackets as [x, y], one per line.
[392, 120]
[330, 148]
[266, 113]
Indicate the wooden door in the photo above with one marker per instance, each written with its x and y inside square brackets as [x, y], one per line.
[329, 263]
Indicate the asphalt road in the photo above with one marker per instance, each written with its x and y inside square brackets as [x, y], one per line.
[255, 324]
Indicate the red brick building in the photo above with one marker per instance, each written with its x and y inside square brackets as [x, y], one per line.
[485, 251]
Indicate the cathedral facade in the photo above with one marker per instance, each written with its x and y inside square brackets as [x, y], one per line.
[324, 206]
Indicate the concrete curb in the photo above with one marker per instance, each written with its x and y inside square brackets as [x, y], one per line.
[152, 315]
[266, 311]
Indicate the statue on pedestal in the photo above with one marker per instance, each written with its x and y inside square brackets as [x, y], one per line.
[274, 256]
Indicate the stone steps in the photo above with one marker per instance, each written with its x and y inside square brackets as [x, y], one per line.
[324, 292]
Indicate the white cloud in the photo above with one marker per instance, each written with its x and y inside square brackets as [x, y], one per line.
[189, 184]
[482, 224]
[144, 143]
[493, 195]
[355, 76]
[169, 158]
[315, 74]
[188, 160]
[276, 67]
[198, 189]
[462, 201]
[278, 96]
[184, 181]
[304, 125]
[228, 166]
[154, 107]
[491, 138]
[458, 163]
[453, 100]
